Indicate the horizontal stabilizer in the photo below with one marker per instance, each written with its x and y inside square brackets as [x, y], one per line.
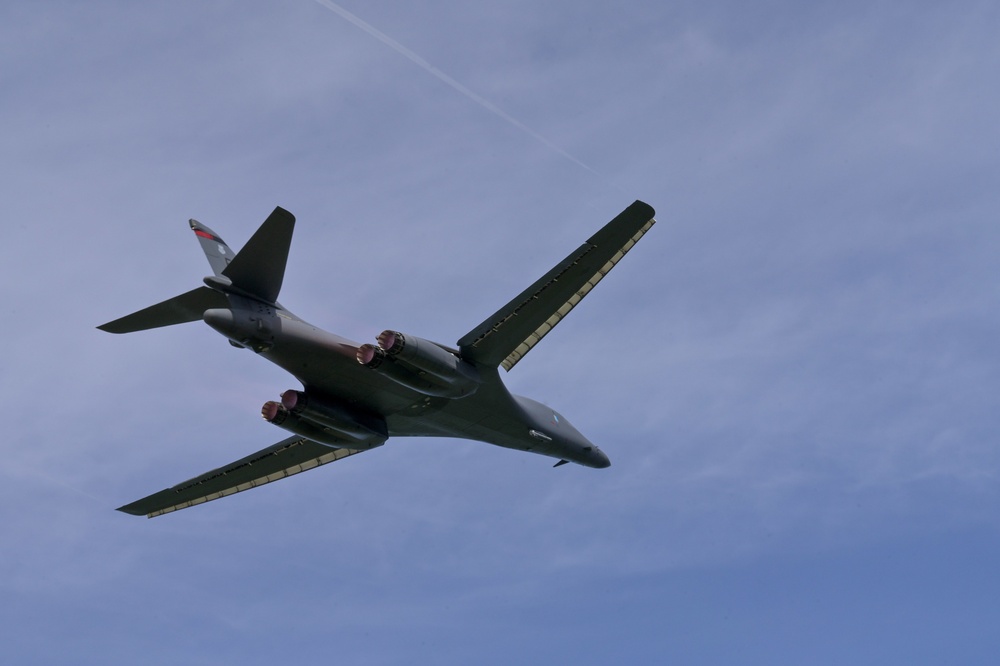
[177, 310]
[511, 332]
[284, 459]
[259, 268]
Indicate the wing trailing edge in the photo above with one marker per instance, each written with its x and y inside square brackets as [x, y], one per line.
[513, 330]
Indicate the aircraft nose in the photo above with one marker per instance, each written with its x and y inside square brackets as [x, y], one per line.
[601, 459]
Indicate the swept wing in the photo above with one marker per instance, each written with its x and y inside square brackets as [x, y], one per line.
[284, 459]
[510, 333]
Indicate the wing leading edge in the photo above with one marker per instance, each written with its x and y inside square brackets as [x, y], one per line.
[284, 459]
[511, 332]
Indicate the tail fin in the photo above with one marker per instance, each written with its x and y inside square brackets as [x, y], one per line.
[216, 251]
[257, 270]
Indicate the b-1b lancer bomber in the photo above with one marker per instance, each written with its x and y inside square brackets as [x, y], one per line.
[356, 396]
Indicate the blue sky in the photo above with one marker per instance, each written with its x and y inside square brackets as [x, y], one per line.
[794, 373]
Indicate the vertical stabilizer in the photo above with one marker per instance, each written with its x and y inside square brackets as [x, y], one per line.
[216, 251]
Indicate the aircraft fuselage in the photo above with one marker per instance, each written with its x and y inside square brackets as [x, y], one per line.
[327, 366]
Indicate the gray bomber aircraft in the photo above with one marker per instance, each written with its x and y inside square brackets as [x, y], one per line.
[355, 397]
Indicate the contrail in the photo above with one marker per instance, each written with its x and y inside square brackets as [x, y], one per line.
[431, 69]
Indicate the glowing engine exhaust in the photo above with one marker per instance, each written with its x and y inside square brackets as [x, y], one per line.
[420, 365]
[324, 423]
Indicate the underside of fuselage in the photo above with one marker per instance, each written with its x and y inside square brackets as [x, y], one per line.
[329, 371]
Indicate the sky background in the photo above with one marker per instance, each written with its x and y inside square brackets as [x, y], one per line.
[794, 373]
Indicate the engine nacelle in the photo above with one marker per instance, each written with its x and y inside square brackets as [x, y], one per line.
[425, 356]
[275, 412]
[327, 414]
[421, 365]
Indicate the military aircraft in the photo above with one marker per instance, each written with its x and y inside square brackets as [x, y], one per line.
[355, 396]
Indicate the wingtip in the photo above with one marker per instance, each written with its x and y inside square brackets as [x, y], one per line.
[639, 204]
[278, 210]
